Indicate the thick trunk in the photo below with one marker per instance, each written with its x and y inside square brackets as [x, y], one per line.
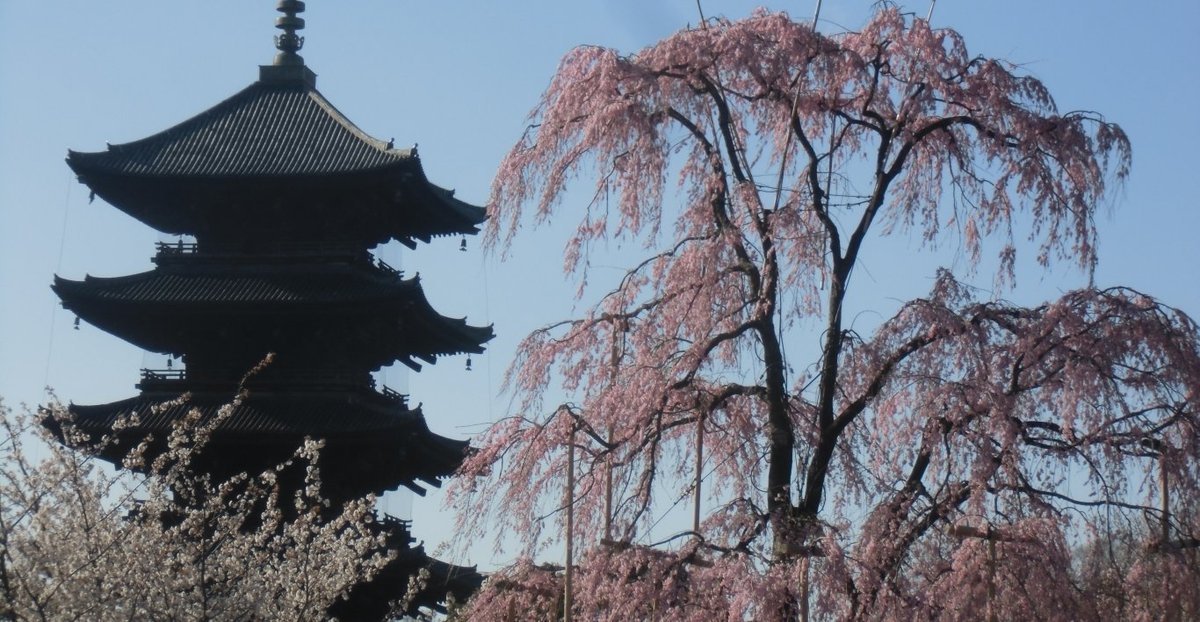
[782, 443]
[781, 435]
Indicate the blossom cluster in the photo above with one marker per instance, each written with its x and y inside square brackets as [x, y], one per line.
[80, 541]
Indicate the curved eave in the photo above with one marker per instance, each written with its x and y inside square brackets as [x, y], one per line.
[392, 202]
[144, 308]
[90, 165]
[466, 216]
[398, 444]
[273, 143]
[458, 336]
[247, 284]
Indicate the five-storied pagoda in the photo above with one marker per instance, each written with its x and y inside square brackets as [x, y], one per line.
[284, 198]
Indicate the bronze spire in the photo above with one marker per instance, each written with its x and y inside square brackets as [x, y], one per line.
[288, 67]
[289, 42]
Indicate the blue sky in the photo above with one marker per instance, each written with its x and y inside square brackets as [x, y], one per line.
[459, 78]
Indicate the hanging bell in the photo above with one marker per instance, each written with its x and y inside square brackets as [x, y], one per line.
[468, 362]
[462, 246]
[76, 322]
[169, 359]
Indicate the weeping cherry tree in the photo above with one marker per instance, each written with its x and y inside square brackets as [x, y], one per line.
[960, 452]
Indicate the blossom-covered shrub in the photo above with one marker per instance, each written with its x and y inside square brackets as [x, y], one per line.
[79, 541]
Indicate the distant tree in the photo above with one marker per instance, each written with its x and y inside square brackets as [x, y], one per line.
[953, 454]
[78, 542]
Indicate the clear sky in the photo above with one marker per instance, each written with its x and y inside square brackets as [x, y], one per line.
[459, 78]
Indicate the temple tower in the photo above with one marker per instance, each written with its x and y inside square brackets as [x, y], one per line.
[284, 198]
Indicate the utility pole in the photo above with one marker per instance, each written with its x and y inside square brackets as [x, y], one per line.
[991, 535]
[569, 571]
[699, 472]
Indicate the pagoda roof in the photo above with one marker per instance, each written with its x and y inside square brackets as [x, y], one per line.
[138, 307]
[275, 128]
[277, 141]
[376, 440]
[230, 283]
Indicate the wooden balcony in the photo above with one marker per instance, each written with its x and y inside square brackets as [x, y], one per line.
[179, 381]
[270, 252]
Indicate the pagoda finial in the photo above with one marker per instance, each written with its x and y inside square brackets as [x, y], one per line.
[289, 42]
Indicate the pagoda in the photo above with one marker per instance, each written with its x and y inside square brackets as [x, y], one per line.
[282, 199]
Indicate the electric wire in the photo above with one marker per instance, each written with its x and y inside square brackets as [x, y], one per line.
[62, 245]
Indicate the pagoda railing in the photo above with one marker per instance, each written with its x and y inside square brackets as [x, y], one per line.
[164, 375]
[393, 394]
[262, 248]
[179, 251]
[383, 265]
[268, 377]
[398, 530]
[177, 248]
[166, 379]
[163, 379]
